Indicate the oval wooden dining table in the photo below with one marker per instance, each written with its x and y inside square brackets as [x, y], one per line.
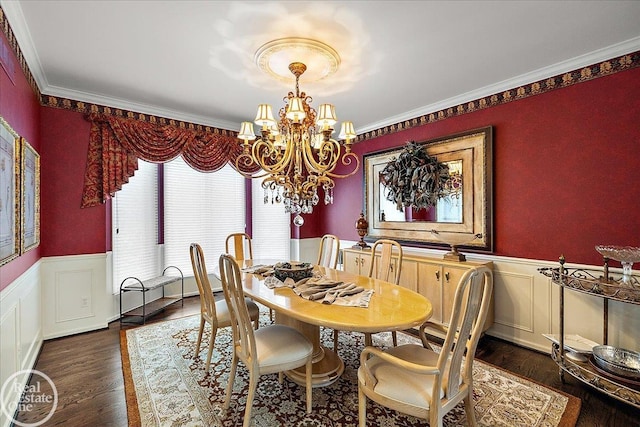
[391, 308]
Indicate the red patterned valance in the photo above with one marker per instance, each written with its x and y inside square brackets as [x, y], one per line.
[116, 144]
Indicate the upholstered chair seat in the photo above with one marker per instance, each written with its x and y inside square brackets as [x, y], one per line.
[280, 348]
[224, 318]
[402, 385]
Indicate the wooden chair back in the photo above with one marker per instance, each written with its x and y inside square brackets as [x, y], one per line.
[329, 251]
[243, 336]
[470, 307]
[383, 267]
[207, 300]
[239, 245]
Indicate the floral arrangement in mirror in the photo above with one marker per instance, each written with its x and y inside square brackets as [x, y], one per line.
[415, 179]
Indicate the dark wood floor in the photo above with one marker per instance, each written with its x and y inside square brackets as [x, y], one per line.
[87, 372]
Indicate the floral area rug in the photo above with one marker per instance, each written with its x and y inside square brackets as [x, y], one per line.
[165, 385]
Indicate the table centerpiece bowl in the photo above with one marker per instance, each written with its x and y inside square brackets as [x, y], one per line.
[293, 270]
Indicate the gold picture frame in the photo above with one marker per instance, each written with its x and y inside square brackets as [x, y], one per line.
[471, 152]
[9, 193]
[30, 197]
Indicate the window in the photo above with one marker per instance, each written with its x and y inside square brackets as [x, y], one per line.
[202, 208]
[135, 227]
[270, 226]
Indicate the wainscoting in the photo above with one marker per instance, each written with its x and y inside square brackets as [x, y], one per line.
[61, 296]
[20, 335]
[526, 305]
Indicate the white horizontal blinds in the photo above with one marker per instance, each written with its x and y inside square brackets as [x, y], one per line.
[270, 226]
[135, 227]
[200, 208]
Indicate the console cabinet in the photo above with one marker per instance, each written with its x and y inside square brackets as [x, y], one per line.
[432, 277]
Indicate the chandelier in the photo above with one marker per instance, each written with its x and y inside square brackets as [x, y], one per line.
[296, 152]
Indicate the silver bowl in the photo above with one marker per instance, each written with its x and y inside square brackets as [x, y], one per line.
[618, 361]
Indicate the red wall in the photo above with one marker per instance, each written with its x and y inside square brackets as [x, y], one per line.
[20, 107]
[565, 170]
[69, 230]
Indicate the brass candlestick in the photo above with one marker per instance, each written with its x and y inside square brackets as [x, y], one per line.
[362, 226]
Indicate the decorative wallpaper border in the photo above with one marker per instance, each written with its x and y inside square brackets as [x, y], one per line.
[584, 74]
[88, 108]
[604, 68]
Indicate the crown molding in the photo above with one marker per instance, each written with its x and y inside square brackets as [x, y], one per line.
[13, 12]
[619, 49]
[92, 98]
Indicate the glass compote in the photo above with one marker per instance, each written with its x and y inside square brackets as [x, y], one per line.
[626, 255]
[454, 240]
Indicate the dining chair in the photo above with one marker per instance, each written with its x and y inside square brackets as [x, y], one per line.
[383, 267]
[212, 312]
[328, 251]
[270, 349]
[414, 379]
[241, 245]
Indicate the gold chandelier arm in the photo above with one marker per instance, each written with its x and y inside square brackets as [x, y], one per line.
[327, 155]
[330, 149]
[243, 162]
[347, 159]
[266, 154]
[246, 160]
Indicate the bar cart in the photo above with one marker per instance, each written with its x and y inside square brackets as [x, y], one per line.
[609, 286]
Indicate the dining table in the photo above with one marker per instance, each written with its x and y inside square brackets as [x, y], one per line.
[391, 307]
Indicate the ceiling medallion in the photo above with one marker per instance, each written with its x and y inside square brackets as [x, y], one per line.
[275, 57]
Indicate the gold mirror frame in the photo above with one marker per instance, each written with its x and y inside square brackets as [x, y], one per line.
[475, 149]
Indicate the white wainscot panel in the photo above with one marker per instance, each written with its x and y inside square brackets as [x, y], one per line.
[522, 301]
[75, 294]
[8, 360]
[306, 250]
[584, 315]
[20, 335]
[30, 325]
[73, 291]
[514, 300]
[624, 324]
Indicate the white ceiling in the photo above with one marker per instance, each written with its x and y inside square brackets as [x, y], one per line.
[193, 60]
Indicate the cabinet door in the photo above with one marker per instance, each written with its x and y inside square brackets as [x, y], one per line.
[430, 286]
[409, 275]
[351, 262]
[450, 279]
[365, 262]
[388, 276]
